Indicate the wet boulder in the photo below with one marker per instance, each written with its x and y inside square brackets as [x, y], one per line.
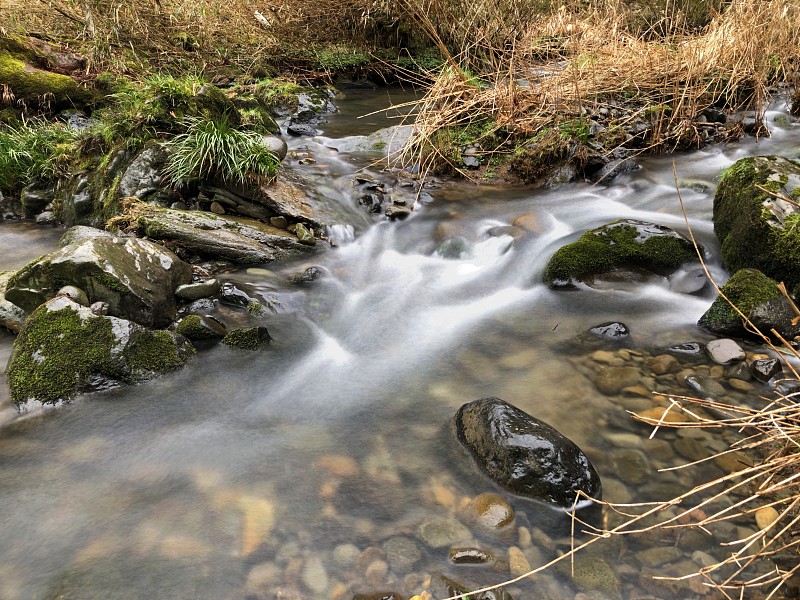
[756, 218]
[137, 278]
[12, 317]
[616, 246]
[759, 298]
[524, 455]
[65, 349]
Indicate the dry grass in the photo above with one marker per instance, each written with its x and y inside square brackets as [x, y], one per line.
[569, 62]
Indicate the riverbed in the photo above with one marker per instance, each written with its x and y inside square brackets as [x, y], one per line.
[313, 469]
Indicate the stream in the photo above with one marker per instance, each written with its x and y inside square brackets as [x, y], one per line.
[318, 468]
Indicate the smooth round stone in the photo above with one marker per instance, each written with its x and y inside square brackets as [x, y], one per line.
[730, 462]
[493, 511]
[438, 533]
[615, 491]
[725, 351]
[276, 145]
[705, 386]
[315, 577]
[376, 571]
[624, 440]
[612, 380]
[261, 579]
[664, 364]
[517, 562]
[217, 208]
[766, 516]
[470, 556]
[631, 466]
[740, 385]
[401, 553]
[690, 449]
[75, 294]
[703, 559]
[345, 555]
[595, 574]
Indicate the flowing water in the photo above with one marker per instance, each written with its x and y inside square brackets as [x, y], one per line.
[309, 470]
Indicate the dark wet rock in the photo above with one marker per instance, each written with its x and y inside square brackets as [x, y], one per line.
[714, 115]
[401, 553]
[704, 386]
[612, 380]
[238, 240]
[203, 305]
[65, 349]
[759, 298]
[725, 351]
[301, 129]
[12, 317]
[442, 587]
[612, 331]
[379, 596]
[523, 454]
[621, 244]
[136, 277]
[616, 167]
[471, 556]
[195, 291]
[766, 368]
[454, 248]
[689, 349]
[310, 275]
[248, 338]
[373, 202]
[34, 200]
[230, 294]
[200, 328]
[756, 228]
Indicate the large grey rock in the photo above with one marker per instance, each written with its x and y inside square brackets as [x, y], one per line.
[524, 455]
[80, 233]
[65, 349]
[755, 226]
[241, 241]
[137, 278]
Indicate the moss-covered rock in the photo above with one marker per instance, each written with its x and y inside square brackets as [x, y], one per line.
[756, 228]
[758, 297]
[625, 243]
[137, 278]
[35, 86]
[248, 338]
[198, 328]
[65, 349]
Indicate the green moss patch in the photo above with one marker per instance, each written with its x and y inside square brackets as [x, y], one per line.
[248, 338]
[623, 243]
[39, 87]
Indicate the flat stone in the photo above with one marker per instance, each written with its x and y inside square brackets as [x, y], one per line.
[195, 291]
[664, 364]
[438, 533]
[630, 465]
[655, 557]
[612, 380]
[401, 553]
[766, 516]
[493, 511]
[471, 556]
[725, 351]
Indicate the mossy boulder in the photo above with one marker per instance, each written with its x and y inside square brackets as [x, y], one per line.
[758, 297]
[248, 338]
[621, 244]
[137, 278]
[199, 329]
[65, 349]
[36, 86]
[755, 226]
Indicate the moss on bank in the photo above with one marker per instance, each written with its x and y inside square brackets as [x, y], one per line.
[37, 87]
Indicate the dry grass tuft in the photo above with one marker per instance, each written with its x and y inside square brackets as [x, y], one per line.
[573, 61]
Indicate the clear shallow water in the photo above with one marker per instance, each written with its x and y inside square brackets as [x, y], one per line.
[288, 473]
